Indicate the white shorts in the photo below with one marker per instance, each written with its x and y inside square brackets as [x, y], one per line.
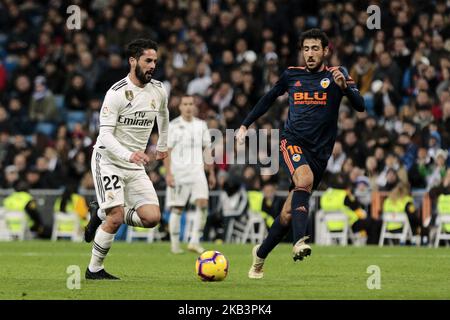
[184, 192]
[120, 187]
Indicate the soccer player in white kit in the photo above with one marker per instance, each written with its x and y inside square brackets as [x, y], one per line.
[124, 191]
[186, 180]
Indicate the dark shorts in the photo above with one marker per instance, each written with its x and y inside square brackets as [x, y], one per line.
[294, 156]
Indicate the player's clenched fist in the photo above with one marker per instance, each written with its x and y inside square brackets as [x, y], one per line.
[339, 78]
[139, 157]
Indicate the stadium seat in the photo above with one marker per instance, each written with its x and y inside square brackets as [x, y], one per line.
[3, 40]
[395, 217]
[250, 233]
[66, 225]
[3, 53]
[74, 117]
[10, 64]
[16, 224]
[29, 139]
[4, 234]
[61, 107]
[358, 238]
[441, 233]
[46, 128]
[235, 231]
[326, 236]
[59, 100]
[148, 234]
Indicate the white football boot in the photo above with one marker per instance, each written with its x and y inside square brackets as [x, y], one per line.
[197, 248]
[301, 249]
[177, 250]
[256, 270]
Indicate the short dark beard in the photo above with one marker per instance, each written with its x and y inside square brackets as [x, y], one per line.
[141, 75]
[316, 68]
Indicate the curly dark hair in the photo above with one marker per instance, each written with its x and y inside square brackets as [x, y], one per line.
[314, 34]
[136, 47]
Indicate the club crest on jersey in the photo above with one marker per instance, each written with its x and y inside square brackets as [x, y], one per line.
[129, 95]
[296, 157]
[105, 110]
[325, 83]
[153, 104]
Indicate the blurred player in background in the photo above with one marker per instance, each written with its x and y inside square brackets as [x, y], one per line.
[315, 92]
[186, 180]
[124, 191]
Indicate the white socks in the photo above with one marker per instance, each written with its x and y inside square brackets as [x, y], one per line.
[131, 217]
[199, 224]
[174, 228]
[102, 243]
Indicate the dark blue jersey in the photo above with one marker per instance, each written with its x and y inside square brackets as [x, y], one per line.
[314, 100]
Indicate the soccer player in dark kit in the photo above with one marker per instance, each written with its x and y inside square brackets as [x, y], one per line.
[315, 93]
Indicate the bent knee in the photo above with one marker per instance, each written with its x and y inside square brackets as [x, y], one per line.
[151, 219]
[151, 223]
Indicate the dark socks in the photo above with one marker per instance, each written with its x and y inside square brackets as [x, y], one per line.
[276, 233]
[300, 210]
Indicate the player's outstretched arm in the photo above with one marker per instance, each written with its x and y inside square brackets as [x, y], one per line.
[266, 101]
[348, 87]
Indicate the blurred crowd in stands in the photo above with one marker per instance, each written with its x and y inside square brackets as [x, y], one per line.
[227, 53]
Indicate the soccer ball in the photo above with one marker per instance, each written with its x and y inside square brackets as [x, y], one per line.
[211, 266]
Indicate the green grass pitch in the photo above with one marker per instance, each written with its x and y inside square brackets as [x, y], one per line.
[37, 270]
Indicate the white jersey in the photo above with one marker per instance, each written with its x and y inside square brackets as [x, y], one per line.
[127, 117]
[187, 140]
